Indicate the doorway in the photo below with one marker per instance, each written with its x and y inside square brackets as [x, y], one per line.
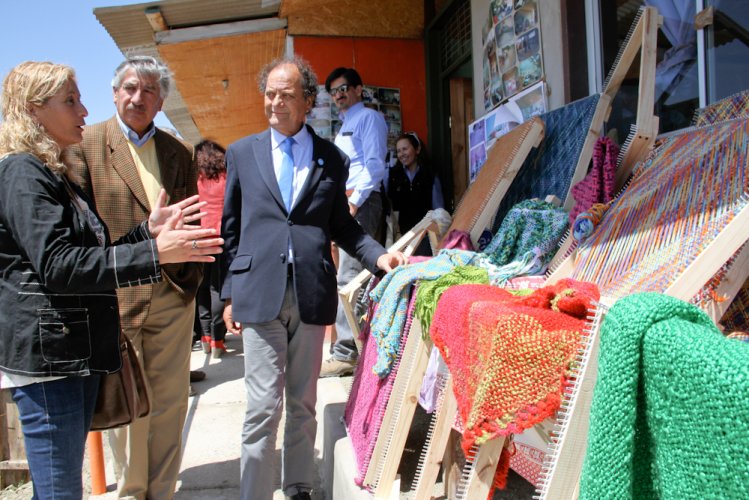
[450, 96]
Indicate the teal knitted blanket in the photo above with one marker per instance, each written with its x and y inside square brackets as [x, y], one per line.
[670, 412]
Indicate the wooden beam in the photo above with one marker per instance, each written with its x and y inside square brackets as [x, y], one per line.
[219, 30]
[156, 19]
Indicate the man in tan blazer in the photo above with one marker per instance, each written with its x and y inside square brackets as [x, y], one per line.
[123, 163]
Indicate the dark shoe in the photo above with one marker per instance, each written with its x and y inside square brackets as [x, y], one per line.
[302, 495]
[196, 376]
[332, 367]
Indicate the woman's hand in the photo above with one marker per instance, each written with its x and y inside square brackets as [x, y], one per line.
[186, 245]
[189, 208]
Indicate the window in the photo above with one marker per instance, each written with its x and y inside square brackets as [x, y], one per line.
[727, 49]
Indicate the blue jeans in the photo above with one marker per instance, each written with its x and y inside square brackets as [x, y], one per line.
[55, 417]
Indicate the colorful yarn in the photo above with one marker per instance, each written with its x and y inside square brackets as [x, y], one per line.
[509, 356]
[529, 225]
[587, 221]
[524, 244]
[392, 296]
[678, 201]
[736, 316]
[735, 106]
[598, 186]
[549, 169]
[431, 291]
[670, 411]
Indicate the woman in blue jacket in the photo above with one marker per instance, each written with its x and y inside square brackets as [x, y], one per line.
[59, 323]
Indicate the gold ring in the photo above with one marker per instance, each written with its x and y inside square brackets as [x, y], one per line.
[194, 244]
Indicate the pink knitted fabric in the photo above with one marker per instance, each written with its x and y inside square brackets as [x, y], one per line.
[598, 186]
[369, 395]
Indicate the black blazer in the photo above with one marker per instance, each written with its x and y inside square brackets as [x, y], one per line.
[58, 307]
[256, 229]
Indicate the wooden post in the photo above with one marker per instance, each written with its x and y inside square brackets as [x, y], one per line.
[13, 466]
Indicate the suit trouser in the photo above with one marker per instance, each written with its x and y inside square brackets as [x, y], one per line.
[369, 216]
[282, 354]
[148, 452]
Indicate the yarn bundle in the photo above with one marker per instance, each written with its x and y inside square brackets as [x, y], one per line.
[587, 221]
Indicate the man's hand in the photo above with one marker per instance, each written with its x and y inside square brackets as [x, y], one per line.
[231, 326]
[189, 208]
[389, 261]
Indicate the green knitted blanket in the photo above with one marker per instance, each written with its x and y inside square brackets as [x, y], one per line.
[670, 412]
[429, 292]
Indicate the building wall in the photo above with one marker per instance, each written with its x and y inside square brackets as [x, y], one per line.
[552, 47]
[381, 62]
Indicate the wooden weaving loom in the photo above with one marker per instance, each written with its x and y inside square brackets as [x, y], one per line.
[707, 238]
[472, 215]
[641, 38]
[382, 468]
[708, 244]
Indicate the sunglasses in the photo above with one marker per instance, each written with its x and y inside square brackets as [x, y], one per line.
[341, 89]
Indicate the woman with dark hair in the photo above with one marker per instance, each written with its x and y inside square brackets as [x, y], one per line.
[413, 188]
[209, 160]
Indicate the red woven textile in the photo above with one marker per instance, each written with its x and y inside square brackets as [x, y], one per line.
[509, 356]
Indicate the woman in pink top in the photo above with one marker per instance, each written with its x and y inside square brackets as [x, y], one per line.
[209, 160]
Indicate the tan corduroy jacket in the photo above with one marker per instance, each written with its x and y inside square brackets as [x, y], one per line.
[108, 174]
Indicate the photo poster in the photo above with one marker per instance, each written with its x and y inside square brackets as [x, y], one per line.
[512, 49]
[484, 132]
[324, 119]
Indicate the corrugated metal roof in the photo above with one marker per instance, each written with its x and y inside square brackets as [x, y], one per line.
[128, 25]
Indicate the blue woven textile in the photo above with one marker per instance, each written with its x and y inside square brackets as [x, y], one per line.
[549, 169]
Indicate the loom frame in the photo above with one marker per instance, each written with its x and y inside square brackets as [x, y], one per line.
[641, 39]
[487, 193]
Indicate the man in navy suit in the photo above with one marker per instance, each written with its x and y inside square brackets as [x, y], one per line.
[285, 201]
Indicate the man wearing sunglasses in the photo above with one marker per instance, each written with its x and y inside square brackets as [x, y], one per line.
[363, 137]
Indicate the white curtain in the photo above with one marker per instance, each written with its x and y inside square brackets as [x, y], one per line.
[673, 75]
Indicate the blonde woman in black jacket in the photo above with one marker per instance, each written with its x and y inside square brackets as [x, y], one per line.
[59, 322]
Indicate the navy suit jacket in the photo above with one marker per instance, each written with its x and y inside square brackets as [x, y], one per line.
[256, 228]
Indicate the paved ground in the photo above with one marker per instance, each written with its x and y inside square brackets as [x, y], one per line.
[210, 464]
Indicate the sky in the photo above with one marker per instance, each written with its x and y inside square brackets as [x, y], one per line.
[65, 31]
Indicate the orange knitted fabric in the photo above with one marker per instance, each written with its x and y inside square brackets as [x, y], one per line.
[509, 356]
